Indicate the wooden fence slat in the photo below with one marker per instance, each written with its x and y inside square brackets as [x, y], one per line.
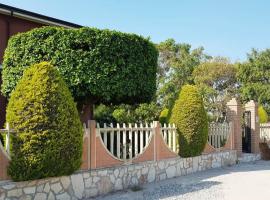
[141, 140]
[124, 142]
[112, 140]
[130, 140]
[170, 136]
[136, 139]
[105, 136]
[118, 142]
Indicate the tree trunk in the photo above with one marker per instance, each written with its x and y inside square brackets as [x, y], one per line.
[87, 112]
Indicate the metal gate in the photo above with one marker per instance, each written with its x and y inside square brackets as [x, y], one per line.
[246, 133]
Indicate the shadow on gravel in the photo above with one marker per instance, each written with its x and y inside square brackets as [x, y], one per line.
[185, 184]
[165, 191]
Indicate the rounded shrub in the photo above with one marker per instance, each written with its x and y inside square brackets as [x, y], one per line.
[163, 117]
[48, 139]
[190, 118]
[263, 116]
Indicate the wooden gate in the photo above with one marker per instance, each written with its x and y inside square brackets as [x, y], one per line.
[246, 133]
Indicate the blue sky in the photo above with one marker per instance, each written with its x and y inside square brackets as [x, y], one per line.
[223, 27]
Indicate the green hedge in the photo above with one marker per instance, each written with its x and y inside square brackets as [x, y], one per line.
[190, 118]
[48, 139]
[97, 65]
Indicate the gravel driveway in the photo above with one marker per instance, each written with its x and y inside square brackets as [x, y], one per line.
[243, 181]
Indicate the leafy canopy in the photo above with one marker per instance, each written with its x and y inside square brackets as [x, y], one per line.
[176, 64]
[254, 77]
[217, 83]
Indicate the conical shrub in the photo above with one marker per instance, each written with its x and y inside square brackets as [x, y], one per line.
[48, 138]
[190, 118]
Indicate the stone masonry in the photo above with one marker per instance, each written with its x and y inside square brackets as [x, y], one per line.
[85, 184]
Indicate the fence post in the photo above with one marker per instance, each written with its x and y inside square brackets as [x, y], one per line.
[92, 127]
[8, 139]
[235, 114]
[252, 106]
[156, 131]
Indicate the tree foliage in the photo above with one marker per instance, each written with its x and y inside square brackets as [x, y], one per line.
[97, 65]
[176, 64]
[254, 78]
[190, 118]
[48, 139]
[217, 82]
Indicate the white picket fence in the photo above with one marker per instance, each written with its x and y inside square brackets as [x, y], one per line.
[7, 131]
[265, 131]
[125, 141]
[218, 133]
[170, 136]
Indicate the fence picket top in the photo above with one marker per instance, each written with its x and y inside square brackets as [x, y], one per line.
[141, 126]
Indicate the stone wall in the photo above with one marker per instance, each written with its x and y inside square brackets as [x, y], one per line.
[249, 157]
[91, 183]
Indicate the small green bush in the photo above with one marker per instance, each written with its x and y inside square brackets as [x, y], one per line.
[263, 116]
[163, 117]
[48, 139]
[103, 114]
[124, 114]
[190, 118]
[147, 112]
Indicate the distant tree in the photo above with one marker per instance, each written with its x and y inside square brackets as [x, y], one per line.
[176, 64]
[217, 82]
[254, 77]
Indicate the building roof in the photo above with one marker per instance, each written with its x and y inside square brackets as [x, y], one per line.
[35, 17]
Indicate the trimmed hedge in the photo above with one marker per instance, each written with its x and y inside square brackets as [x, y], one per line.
[48, 139]
[190, 118]
[97, 65]
[263, 116]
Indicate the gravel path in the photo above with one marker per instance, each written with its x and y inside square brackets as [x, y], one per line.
[244, 181]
